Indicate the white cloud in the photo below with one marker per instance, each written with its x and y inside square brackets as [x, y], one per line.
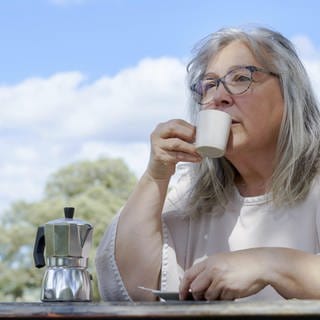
[48, 123]
[27, 154]
[65, 106]
[136, 154]
[313, 69]
[305, 47]
[310, 55]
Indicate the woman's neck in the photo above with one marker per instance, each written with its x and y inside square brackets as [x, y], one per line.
[251, 189]
[253, 177]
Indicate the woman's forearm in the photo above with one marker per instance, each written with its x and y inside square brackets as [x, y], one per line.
[294, 273]
[139, 237]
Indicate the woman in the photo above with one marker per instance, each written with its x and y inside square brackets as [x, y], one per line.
[247, 224]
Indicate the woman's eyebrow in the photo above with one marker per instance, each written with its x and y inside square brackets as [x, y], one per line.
[213, 75]
[210, 75]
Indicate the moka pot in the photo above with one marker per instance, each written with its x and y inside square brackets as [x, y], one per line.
[66, 242]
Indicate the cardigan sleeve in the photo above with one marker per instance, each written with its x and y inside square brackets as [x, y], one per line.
[110, 283]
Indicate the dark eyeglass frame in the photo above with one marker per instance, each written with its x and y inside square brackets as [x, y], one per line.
[196, 88]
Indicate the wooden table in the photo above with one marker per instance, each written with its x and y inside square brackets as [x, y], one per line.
[290, 309]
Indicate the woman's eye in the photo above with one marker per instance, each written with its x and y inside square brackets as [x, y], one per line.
[240, 78]
[209, 85]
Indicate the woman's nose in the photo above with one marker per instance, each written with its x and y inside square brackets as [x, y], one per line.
[221, 98]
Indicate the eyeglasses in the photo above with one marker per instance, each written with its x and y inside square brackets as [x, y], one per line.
[236, 82]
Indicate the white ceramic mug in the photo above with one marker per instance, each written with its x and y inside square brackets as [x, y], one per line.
[212, 135]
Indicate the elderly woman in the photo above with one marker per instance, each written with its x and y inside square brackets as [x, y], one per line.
[246, 224]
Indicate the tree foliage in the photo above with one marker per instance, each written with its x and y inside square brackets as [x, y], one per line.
[96, 189]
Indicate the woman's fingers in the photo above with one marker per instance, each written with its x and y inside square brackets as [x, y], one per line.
[187, 280]
[175, 136]
[171, 142]
[176, 146]
[177, 128]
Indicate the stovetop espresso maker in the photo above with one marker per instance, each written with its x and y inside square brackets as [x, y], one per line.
[67, 243]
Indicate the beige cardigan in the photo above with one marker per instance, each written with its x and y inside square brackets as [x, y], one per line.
[245, 223]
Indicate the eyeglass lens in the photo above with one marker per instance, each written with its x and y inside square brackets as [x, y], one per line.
[236, 81]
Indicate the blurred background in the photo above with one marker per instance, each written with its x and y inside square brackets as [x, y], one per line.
[82, 85]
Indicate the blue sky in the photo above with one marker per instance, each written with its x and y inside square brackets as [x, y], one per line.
[82, 79]
[97, 37]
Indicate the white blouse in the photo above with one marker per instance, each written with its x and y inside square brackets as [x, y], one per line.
[246, 222]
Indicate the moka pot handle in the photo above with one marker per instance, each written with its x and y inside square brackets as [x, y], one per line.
[38, 250]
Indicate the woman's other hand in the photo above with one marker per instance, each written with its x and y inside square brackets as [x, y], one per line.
[225, 276]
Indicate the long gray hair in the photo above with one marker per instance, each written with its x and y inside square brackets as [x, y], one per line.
[298, 150]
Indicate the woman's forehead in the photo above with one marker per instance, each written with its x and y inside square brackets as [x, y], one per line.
[236, 53]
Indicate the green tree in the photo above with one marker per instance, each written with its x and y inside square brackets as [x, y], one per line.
[96, 189]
